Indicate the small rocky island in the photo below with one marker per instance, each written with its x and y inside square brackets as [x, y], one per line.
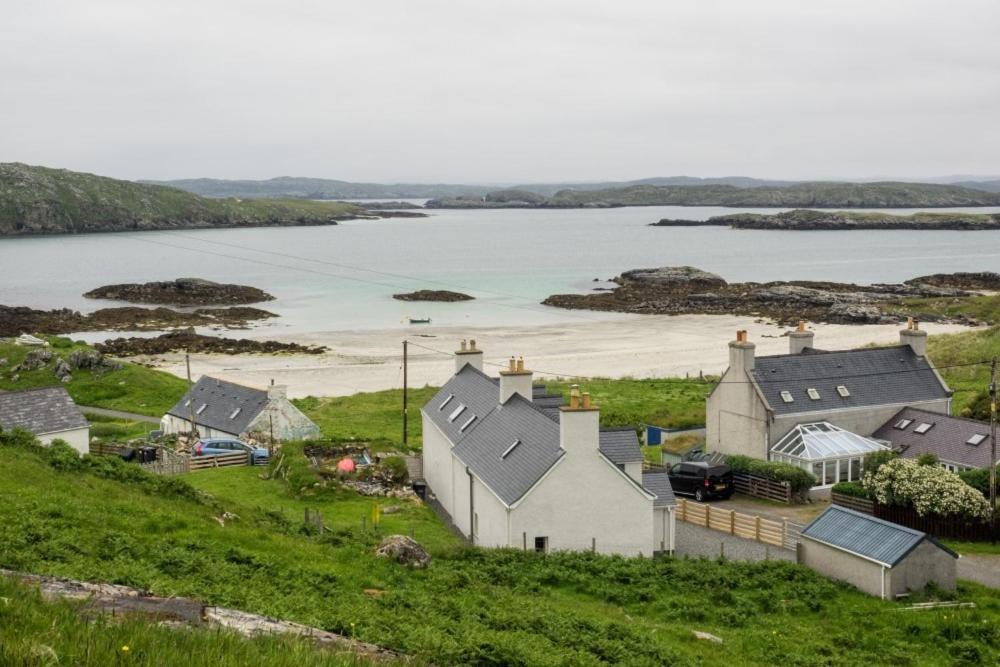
[181, 292]
[15, 320]
[190, 341]
[441, 295]
[676, 290]
[810, 220]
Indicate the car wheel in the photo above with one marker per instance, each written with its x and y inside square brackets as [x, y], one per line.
[699, 495]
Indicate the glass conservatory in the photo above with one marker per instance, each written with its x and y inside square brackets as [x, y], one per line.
[829, 452]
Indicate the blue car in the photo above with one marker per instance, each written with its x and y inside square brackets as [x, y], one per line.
[219, 446]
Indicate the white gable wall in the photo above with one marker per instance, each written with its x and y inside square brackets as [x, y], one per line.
[735, 417]
[77, 438]
[437, 463]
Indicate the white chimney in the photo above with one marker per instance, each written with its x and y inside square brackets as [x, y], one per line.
[913, 336]
[800, 339]
[741, 352]
[515, 380]
[468, 353]
[276, 391]
[579, 424]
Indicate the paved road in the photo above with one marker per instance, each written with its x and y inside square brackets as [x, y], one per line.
[697, 541]
[118, 414]
[982, 569]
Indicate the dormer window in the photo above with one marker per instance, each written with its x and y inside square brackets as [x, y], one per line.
[976, 439]
[507, 451]
[468, 423]
[456, 412]
[445, 402]
[813, 393]
[922, 428]
[786, 396]
[902, 424]
[843, 391]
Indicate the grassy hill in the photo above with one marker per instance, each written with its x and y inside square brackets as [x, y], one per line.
[39, 200]
[318, 188]
[95, 522]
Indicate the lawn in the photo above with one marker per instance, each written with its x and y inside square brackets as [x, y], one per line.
[132, 388]
[965, 348]
[117, 430]
[470, 606]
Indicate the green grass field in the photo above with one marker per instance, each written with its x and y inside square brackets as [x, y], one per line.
[956, 350]
[469, 607]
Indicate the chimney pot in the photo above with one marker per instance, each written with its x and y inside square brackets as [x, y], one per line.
[520, 364]
[512, 365]
[574, 396]
[586, 400]
[802, 325]
[463, 346]
[472, 344]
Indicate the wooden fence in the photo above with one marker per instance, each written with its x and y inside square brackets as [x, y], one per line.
[955, 529]
[104, 449]
[760, 487]
[863, 505]
[782, 534]
[220, 461]
[169, 462]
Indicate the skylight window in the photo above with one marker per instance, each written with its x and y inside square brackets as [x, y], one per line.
[446, 402]
[786, 396]
[457, 411]
[507, 451]
[843, 391]
[468, 423]
[902, 424]
[187, 403]
[201, 409]
[235, 412]
[922, 428]
[976, 439]
[813, 393]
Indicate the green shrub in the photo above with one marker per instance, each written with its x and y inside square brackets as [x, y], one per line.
[928, 459]
[853, 489]
[63, 457]
[394, 469]
[798, 479]
[60, 342]
[876, 460]
[979, 479]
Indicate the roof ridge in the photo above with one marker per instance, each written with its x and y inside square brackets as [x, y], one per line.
[869, 517]
[821, 353]
[941, 414]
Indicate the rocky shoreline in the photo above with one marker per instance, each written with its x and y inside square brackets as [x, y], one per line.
[190, 341]
[688, 290]
[15, 320]
[444, 296]
[181, 292]
[811, 220]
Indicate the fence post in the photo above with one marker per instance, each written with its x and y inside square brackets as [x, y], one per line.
[784, 531]
[708, 516]
[684, 509]
[732, 522]
[757, 528]
[593, 545]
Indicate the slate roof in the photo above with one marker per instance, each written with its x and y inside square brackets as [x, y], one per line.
[863, 535]
[620, 445]
[873, 376]
[948, 437]
[470, 387]
[658, 483]
[221, 399]
[41, 411]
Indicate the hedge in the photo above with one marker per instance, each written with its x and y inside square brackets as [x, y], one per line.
[798, 479]
[853, 489]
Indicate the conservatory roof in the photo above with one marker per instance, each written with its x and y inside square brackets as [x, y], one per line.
[823, 440]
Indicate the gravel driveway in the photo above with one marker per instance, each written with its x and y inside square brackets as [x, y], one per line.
[697, 541]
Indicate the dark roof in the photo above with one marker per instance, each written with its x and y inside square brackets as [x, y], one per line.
[469, 387]
[221, 400]
[620, 445]
[873, 376]
[863, 535]
[537, 450]
[948, 437]
[40, 411]
[658, 483]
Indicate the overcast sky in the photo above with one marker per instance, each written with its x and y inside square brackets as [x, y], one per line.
[502, 91]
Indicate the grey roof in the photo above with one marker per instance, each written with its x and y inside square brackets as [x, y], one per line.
[620, 445]
[948, 437]
[873, 376]
[517, 420]
[221, 399]
[658, 483]
[469, 387]
[41, 411]
[881, 541]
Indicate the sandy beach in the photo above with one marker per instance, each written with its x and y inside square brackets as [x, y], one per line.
[634, 346]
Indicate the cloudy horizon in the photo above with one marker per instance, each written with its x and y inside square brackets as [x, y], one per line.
[502, 92]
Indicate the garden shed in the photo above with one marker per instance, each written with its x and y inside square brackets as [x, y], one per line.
[829, 452]
[878, 557]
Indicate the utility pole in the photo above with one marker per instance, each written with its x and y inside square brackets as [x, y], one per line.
[187, 362]
[405, 429]
[993, 439]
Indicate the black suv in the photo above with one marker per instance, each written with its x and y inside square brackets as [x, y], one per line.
[702, 480]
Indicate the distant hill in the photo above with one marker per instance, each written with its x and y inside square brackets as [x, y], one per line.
[320, 188]
[988, 186]
[549, 189]
[797, 195]
[39, 200]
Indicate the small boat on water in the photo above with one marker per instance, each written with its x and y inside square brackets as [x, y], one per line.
[420, 320]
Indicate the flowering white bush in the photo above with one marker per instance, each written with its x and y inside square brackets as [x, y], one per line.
[931, 490]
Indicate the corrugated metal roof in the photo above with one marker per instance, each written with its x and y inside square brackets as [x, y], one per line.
[948, 437]
[872, 376]
[221, 400]
[658, 483]
[40, 411]
[863, 535]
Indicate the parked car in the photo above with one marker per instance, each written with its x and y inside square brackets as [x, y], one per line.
[219, 446]
[702, 480]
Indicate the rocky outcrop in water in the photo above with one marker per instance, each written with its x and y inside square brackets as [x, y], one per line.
[984, 280]
[15, 320]
[181, 292]
[192, 342]
[433, 295]
[810, 220]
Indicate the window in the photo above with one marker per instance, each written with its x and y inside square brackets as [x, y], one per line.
[507, 451]
[976, 439]
[786, 396]
[922, 428]
[842, 390]
[813, 394]
[446, 402]
[844, 475]
[542, 545]
[235, 412]
[454, 415]
[187, 403]
[468, 423]
[855, 470]
[201, 409]
[902, 424]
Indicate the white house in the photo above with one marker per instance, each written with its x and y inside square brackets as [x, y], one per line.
[223, 409]
[776, 407]
[514, 467]
[49, 413]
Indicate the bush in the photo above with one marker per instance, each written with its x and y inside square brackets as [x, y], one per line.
[798, 479]
[930, 490]
[875, 460]
[979, 479]
[853, 489]
[62, 457]
[394, 469]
